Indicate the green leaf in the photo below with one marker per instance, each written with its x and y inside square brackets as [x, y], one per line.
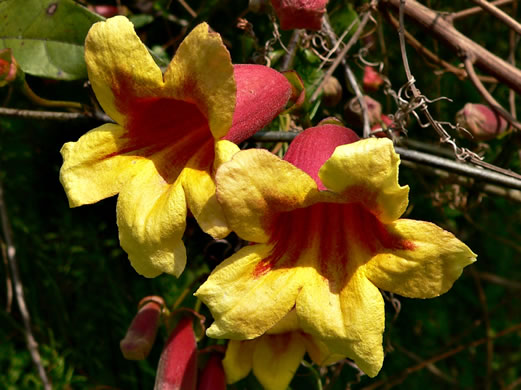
[47, 36]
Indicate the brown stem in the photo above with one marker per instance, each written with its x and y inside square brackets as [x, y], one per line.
[435, 24]
[474, 10]
[502, 16]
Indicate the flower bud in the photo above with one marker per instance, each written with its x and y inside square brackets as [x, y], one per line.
[177, 368]
[212, 377]
[372, 79]
[142, 332]
[262, 93]
[106, 11]
[8, 67]
[379, 129]
[353, 112]
[332, 92]
[300, 13]
[481, 121]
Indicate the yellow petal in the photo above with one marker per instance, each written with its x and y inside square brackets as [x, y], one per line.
[366, 171]
[276, 359]
[201, 72]
[349, 322]
[244, 302]
[224, 151]
[92, 170]
[199, 187]
[120, 67]
[319, 352]
[151, 219]
[238, 360]
[256, 185]
[429, 268]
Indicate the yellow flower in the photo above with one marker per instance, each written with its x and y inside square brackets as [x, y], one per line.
[275, 356]
[172, 131]
[327, 223]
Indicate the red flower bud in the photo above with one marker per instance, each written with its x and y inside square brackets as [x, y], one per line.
[142, 332]
[383, 124]
[177, 369]
[372, 79]
[8, 67]
[107, 11]
[300, 13]
[481, 121]
[212, 377]
[262, 93]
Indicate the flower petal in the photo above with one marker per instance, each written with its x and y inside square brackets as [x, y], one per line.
[199, 187]
[255, 185]
[151, 219]
[92, 170]
[367, 171]
[319, 352]
[350, 322]
[276, 359]
[429, 268]
[238, 360]
[244, 304]
[189, 78]
[119, 66]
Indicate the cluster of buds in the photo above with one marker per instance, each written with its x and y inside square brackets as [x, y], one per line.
[178, 364]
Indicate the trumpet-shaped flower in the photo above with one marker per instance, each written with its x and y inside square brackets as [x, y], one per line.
[327, 225]
[172, 131]
[275, 356]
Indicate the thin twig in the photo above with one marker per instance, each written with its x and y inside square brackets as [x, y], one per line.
[493, 103]
[54, 115]
[351, 79]
[32, 345]
[474, 10]
[397, 379]
[502, 16]
[512, 43]
[342, 54]
[289, 57]
[8, 279]
[500, 281]
[417, 45]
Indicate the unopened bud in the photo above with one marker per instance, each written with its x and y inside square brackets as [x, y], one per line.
[372, 79]
[300, 14]
[8, 67]
[107, 11]
[379, 129]
[481, 121]
[353, 112]
[212, 377]
[177, 368]
[142, 332]
[332, 92]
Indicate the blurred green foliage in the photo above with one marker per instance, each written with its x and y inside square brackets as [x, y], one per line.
[82, 293]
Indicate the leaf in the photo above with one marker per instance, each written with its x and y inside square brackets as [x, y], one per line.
[46, 36]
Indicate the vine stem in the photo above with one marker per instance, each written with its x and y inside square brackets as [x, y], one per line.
[32, 345]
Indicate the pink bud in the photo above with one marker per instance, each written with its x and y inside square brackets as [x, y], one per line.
[353, 112]
[372, 79]
[177, 369]
[383, 124]
[142, 332]
[8, 67]
[212, 377]
[107, 11]
[262, 93]
[300, 13]
[481, 121]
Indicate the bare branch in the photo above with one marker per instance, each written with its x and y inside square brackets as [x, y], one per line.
[474, 10]
[435, 24]
[502, 16]
[32, 345]
[54, 115]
